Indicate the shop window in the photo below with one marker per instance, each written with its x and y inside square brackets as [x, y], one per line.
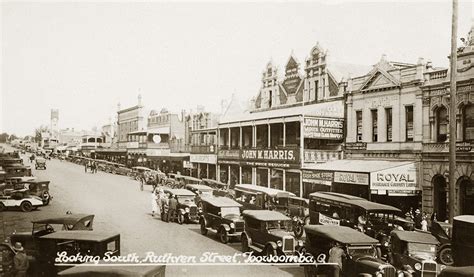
[374, 125]
[246, 175]
[247, 137]
[276, 131]
[224, 173]
[388, 117]
[262, 136]
[468, 122]
[292, 134]
[262, 177]
[292, 182]
[442, 124]
[359, 125]
[409, 123]
[276, 179]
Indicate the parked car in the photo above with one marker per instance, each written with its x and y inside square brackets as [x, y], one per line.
[40, 163]
[116, 168]
[137, 171]
[462, 271]
[330, 208]
[187, 211]
[33, 186]
[17, 170]
[19, 199]
[115, 270]
[180, 181]
[254, 197]
[269, 233]
[360, 251]
[220, 189]
[414, 252]
[68, 222]
[221, 215]
[201, 191]
[298, 210]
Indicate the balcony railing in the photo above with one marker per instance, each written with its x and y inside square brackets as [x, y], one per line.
[315, 156]
[179, 148]
[441, 74]
[203, 149]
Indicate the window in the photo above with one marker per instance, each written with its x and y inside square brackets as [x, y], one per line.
[409, 123]
[374, 125]
[270, 96]
[442, 124]
[316, 90]
[468, 122]
[359, 125]
[388, 116]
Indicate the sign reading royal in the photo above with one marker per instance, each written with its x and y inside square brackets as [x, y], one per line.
[351, 178]
[323, 128]
[400, 178]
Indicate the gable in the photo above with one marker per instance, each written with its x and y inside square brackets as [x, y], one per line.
[379, 80]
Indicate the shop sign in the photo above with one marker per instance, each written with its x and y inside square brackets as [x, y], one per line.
[229, 154]
[356, 146]
[203, 158]
[400, 178]
[269, 155]
[268, 164]
[326, 220]
[323, 128]
[157, 152]
[351, 178]
[316, 176]
[187, 164]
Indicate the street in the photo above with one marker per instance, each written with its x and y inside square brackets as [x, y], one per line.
[119, 205]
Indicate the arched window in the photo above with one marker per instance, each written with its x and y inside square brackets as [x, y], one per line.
[468, 122]
[442, 124]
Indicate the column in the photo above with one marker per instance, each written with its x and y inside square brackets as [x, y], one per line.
[284, 133]
[284, 179]
[240, 174]
[301, 141]
[432, 129]
[218, 172]
[229, 136]
[228, 175]
[199, 170]
[301, 184]
[269, 177]
[240, 137]
[254, 176]
[459, 135]
[269, 135]
[254, 136]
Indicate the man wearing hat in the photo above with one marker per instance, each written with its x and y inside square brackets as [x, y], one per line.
[418, 218]
[20, 261]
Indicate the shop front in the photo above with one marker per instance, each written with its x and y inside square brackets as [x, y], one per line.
[204, 165]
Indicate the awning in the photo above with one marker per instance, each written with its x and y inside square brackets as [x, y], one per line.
[364, 166]
[159, 130]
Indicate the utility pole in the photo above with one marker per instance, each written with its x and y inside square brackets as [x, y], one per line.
[452, 113]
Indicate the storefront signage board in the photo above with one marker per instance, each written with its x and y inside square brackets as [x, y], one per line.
[323, 128]
[399, 178]
[351, 178]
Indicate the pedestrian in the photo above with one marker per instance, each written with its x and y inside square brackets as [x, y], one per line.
[154, 203]
[173, 204]
[20, 261]
[418, 218]
[336, 253]
[424, 223]
[85, 167]
[165, 207]
[6, 258]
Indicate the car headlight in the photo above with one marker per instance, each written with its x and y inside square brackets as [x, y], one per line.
[418, 266]
[300, 243]
[279, 243]
[186, 209]
[378, 274]
[232, 225]
[400, 274]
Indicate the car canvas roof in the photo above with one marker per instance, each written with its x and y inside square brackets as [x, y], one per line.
[342, 234]
[221, 202]
[141, 168]
[189, 178]
[264, 215]
[200, 187]
[65, 219]
[215, 182]
[414, 236]
[181, 192]
[97, 236]
[269, 191]
[354, 200]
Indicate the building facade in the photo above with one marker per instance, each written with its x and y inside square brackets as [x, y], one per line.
[436, 136]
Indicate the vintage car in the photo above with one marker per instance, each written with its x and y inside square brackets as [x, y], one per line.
[116, 168]
[220, 189]
[442, 232]
[330, 208]
[254, 197]
[180, 181]
[7, 161]
[298, 210]
[19, 198]
[73, 243]
[40, 163]
[201, 191]
[137, 171]
[17, 170]
[221, 215]
[414, 252]
[187, 210]
[68, 222]
[360, 251]
[34, 187]
[115, 270]
[269, 233]
[461, 271]
[463, 240]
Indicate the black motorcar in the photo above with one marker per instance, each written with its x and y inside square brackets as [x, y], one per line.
[187, 211]
[221, 215]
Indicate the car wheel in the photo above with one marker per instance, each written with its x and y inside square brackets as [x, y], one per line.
[26, 206]
[223, 237]
[245, 244]
[446, 256]
[2, 207]
[180, 218]
[203, 228]
[269, 251]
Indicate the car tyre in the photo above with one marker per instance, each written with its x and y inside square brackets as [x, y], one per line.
[245, 244]
[2, 207]
[223, 237]
[446, 255]
[269, 251]
[180, 218]
[26, 206]
[203, 228]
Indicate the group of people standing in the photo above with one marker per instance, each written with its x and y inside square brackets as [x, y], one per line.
[92, 165]
[14, 265]
[163, 204]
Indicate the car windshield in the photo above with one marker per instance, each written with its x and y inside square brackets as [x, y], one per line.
[422, 250]
[185, 199]
[226, 211]
[362, 251]
[278, 224]
[206, 193]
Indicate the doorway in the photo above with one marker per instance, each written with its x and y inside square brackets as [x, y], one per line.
[440, 197]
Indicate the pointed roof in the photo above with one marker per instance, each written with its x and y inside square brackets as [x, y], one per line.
[292, 63]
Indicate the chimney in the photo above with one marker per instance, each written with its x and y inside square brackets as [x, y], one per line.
[139, 99]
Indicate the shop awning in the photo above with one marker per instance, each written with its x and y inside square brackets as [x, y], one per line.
[362, 166]
[159, 130]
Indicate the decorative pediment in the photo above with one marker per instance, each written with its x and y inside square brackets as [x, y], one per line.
[379, 79]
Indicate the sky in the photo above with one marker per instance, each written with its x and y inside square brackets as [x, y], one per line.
[85, 58]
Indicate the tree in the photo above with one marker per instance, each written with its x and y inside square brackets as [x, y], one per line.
[3, 137]
[39, 133]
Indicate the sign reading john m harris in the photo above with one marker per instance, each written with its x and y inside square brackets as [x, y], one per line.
[284, 155]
